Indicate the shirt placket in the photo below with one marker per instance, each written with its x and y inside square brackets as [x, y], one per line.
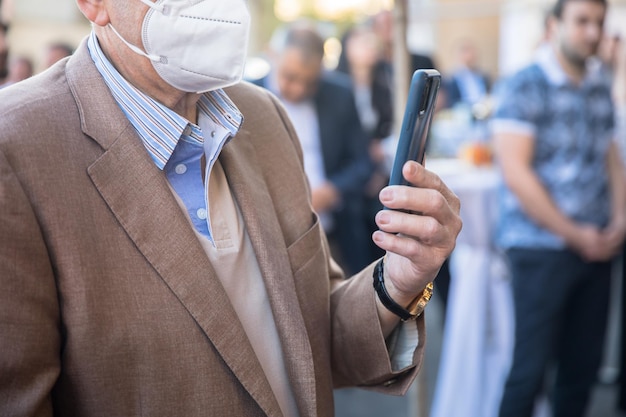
[184, 172]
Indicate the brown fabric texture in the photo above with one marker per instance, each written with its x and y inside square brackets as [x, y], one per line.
[108, 304]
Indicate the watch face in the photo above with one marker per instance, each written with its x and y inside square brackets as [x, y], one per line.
[428, 291]
[416, 308]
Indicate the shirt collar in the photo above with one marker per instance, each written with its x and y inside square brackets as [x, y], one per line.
[546, 60]
[159, 127]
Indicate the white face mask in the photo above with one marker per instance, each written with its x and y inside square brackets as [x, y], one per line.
[195, 45]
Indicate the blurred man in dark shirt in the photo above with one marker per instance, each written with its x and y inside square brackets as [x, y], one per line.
[322, 108]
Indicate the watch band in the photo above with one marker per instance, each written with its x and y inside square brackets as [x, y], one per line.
[415, 309]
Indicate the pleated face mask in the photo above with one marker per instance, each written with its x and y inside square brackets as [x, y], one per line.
[195, 45]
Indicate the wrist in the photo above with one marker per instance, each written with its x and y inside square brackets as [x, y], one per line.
[406, 307]
[570, 232]
[402, 298]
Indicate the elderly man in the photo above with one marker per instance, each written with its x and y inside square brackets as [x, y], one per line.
[159, 254]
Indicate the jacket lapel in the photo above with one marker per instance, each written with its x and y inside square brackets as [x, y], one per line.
[137, 193]
[250, 190]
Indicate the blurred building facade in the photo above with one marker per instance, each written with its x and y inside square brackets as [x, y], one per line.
[505, 32]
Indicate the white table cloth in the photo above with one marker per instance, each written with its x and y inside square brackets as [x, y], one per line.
[479, 327]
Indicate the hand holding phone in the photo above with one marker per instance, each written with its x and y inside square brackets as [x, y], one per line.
[416, 122]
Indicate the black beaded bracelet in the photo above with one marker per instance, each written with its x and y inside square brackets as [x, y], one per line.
[383, 295]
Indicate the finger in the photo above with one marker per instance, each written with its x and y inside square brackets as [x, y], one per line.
[424, 228]
[428, 202]
[424, 257]
[420, 177]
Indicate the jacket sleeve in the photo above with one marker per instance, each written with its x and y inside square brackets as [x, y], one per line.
[29, 306]
[360, 352]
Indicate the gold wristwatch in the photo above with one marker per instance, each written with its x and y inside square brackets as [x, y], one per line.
[417, 306]
[413, 310]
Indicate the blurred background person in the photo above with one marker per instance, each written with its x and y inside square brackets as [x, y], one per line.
[562, 210]
[467, 84]
[55, 52]
[322, 109]
[370, 74]
[20, 68]
[382, 24]
[370, 78]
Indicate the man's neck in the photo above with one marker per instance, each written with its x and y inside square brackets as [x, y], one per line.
[575, 70]
[144, 77]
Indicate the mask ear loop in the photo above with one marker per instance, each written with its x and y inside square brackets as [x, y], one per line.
[135, 49]
[157, 7]
[153, 5]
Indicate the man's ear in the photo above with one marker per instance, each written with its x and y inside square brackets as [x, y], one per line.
[95, 11]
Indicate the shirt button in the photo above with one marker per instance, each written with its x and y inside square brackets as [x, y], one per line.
[213, 133]
[180, 169]
[201, 213]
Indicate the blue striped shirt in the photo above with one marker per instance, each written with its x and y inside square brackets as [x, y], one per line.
[175, 144]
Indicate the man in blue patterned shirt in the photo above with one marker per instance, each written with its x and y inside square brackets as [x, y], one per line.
[562, 210]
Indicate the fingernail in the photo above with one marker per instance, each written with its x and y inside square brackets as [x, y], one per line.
[383, 217]
[378, 236]
[386, 195]
[412, 169]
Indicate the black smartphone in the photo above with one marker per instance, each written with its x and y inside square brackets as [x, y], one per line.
[418, 114]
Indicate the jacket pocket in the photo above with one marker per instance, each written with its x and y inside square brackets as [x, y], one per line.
[303, 250]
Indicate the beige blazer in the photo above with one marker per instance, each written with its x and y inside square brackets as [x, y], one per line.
[109, 305]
